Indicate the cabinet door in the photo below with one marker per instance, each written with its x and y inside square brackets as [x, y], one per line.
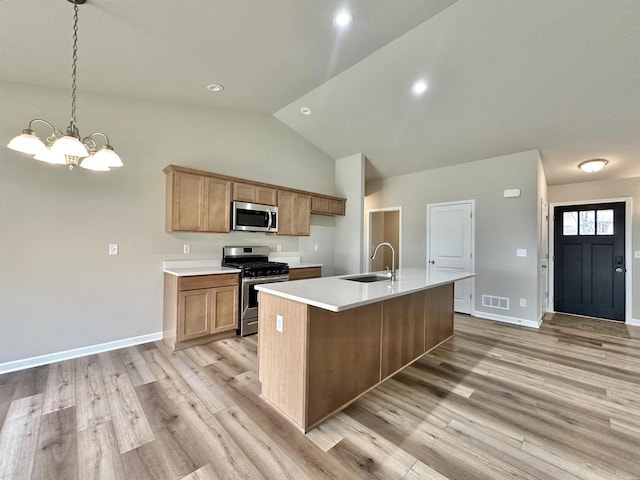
[294, 210]
[302, 273]
[336, 207]
[402, 331]
[187, 209]
[218, 203]
[286, 207]
[244, 192]
[266, 196]
[302, 215]
[439, 315]
[320, 205]
[225, 309]
[194, 313]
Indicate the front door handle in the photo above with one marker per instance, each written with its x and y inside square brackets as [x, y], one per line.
[619, 270]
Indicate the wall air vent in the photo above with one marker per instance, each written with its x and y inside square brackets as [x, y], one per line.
[492, 301]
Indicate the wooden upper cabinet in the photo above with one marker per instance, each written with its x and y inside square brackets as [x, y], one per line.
[294, 212]
[246, 192]
[197, 203]
[323, 205]
[218, 211]
[185, 207]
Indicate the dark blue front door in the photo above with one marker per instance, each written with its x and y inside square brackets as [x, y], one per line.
[589, 266]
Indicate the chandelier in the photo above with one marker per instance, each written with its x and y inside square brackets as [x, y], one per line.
[68, 148]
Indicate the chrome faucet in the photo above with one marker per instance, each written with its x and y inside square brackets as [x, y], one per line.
[392, 273]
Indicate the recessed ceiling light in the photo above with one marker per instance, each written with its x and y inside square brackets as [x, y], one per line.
[305, 111]
[343, 18]
[594, 165]
[215, 87]
[419, 87]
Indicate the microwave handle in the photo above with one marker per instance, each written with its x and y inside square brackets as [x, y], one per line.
[270, 219]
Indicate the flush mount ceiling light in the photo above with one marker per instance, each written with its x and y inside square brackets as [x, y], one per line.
[305, 111]
[594, 165]
[67, 148]
[419, 87]
[342, 19]
[215, 87]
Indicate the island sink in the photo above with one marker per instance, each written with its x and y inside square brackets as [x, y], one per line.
[366, 278]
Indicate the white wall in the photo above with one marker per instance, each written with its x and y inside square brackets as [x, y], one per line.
[349, 234]
[603, 190]
[503, 225]
[59, 289]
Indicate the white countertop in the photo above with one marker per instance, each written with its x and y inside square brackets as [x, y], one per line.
[188, 268]
[337, 294]
[304, 265]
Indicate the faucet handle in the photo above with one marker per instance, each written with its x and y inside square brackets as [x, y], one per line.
[389, 273]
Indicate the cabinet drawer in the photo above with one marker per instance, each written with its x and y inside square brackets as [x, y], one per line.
[302, 273]
[207, 281]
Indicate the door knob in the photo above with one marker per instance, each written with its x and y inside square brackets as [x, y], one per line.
[432, 262]
[619, 270]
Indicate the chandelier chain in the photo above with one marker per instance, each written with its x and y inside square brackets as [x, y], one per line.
[73, 67]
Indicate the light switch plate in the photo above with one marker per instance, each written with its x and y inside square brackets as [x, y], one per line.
[523, 302]
[113, 249]
[521, 252]
[279, 322]
[636, 254]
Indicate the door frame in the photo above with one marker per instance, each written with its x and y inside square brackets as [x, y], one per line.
[628, 264]
[367, 240]
[472, 310]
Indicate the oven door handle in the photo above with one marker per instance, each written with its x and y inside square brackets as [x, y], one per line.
[259, 280]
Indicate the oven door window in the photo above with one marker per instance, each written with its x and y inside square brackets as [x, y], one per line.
[253, 297]
[252, 218]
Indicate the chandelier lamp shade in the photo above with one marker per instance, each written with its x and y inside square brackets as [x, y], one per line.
[68, 148]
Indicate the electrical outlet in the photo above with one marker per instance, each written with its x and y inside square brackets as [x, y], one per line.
[636, 254]
[315, 247]
[523, 302]
[113, 249]
[279, 247]
[279, 322]
[521, 252]
[186, 248]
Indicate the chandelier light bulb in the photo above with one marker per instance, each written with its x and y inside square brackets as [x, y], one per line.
[27, 142]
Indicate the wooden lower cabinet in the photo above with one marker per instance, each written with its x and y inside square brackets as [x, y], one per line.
[305, 272]
[403, 327]
[439, 309]
[199, 308]
[322, 361]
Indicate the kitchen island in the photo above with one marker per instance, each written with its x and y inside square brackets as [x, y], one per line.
[324, 342]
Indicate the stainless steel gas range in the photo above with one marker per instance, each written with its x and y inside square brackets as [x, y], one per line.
[255, 269]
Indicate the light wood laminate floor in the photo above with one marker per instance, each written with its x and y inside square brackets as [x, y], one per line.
[496, 402]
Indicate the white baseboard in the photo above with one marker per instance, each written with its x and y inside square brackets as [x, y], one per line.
[634, 322]
[77, 352]
[505, 319]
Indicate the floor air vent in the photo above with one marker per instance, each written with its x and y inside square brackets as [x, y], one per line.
[495, 302]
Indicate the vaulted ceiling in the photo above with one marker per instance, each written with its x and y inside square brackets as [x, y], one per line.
[503, 75]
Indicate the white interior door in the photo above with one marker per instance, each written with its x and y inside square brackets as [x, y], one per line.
[450, 246]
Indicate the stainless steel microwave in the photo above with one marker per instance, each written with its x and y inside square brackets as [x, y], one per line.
[253, 217]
